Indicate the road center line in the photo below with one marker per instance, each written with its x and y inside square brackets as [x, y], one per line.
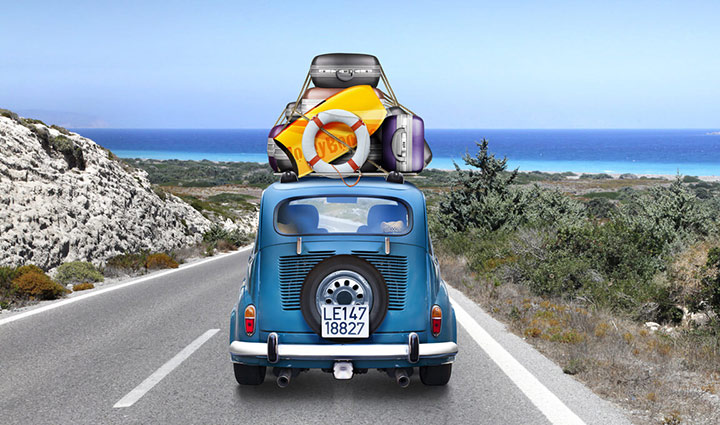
[113, 288]
[152, 380]
[547, 402]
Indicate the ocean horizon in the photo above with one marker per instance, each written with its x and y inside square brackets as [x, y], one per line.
[662, 151]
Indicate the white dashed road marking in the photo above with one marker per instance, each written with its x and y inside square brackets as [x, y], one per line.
[547, 402]
[164, 370]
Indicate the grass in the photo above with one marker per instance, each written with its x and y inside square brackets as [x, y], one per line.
[654, 375]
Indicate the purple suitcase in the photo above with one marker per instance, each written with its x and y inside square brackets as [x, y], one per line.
[277, 158]
[404, 143]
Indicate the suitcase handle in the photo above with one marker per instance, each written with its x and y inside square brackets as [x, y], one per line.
[345, 74]
[399, 144]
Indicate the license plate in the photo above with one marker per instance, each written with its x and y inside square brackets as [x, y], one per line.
[345, 321]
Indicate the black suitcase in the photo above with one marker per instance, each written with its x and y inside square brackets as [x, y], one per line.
[342, 70]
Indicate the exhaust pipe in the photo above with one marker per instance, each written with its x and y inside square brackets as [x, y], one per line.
[283, 379]
[402, 378]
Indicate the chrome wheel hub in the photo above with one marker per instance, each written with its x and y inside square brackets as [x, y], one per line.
[344, 287]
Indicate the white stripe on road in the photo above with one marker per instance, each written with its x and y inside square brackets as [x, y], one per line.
[164, 370]
[547, 402]
[112, 288]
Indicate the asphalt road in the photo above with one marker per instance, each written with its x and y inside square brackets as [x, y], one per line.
[73, 363]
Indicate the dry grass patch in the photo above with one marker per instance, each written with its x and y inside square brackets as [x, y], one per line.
[659, 377]
[82, 286]
[160, 261]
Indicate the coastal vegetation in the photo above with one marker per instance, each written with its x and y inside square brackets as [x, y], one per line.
[621, 288]
[76, 272]
[203, 173]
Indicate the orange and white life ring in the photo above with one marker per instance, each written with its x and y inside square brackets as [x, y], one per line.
[336, 115]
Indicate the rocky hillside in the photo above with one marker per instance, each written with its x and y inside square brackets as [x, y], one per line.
[65, 198]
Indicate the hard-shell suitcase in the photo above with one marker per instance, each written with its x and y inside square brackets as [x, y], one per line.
[316, 95]
[404, 143]
[277, 157]
[289, 115]
[342, 70]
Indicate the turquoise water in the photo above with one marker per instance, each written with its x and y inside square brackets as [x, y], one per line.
[689, 152]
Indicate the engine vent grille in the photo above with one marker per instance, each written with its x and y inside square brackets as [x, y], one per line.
[394, 269]
[294, 268]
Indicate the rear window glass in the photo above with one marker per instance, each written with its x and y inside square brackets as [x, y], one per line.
[342, 214]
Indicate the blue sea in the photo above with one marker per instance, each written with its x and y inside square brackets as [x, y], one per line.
[688, 152]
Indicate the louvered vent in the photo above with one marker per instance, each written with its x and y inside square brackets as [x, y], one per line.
[293, 269]
[395, 271]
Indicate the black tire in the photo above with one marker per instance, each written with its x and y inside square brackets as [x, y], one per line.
[343, 262]
[249, 375]
[436, 375]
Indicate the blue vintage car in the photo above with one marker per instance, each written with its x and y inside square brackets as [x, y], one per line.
[343, 279]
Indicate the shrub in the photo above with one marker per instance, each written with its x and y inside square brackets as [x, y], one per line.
[711, 283]
[38, 285]
[83, 286]
[234, 237]
[600, 176]
[76, 272]
[160, 261]
[129, 263]
[7, 289]
[72, 153]
[28, 268]
[486, 199]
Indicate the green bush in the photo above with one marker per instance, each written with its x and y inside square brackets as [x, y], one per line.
[76, 272]
[486, 198]
[129, 263]
[38, 285]
[235, 237]
[600, 176]
[556, 246]
[7, 289]
[72, 153]
[711, 285]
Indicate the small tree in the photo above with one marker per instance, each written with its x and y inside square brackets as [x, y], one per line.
[478, 197]
[486, 199]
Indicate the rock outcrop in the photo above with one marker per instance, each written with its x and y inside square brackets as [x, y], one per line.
[65, 198]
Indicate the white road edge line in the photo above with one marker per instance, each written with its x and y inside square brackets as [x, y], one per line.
[113, 288]
[152, 380]
[547, 402]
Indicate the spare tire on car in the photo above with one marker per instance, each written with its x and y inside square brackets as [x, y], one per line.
[343, 280]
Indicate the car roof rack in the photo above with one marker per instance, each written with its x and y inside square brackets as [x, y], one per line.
[392, 177]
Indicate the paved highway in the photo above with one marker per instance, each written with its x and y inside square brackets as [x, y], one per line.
[155, 350]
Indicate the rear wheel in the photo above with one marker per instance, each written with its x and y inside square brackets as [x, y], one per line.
[436, 375]
[249, 375]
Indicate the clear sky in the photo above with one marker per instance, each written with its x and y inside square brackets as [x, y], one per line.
[235, 64]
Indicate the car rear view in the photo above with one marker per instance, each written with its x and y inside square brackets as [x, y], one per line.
[343, 279]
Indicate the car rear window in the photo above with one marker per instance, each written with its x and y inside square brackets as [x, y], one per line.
[342, 214]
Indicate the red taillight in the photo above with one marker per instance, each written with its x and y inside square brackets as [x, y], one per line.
[436, 320]
[250, 320]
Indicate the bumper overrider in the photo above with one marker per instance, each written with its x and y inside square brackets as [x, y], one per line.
[274, 351]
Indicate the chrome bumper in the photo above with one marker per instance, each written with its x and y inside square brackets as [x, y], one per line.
[343, 351]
